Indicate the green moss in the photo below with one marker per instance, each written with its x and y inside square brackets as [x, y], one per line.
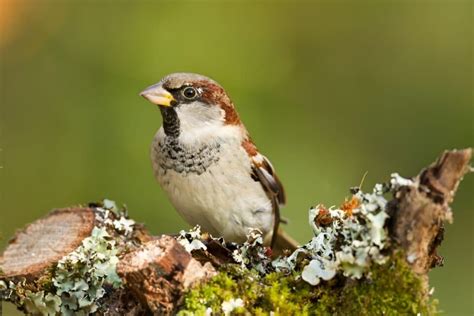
[390, 289]
[272, 292]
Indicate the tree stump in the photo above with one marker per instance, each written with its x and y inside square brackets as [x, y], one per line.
[44, 242]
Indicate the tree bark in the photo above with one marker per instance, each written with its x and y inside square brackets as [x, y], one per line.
[419, 211]
[159, 271]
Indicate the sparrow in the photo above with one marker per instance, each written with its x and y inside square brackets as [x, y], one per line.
[209, 167]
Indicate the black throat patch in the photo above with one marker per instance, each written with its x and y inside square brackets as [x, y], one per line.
[170, 121]
[173, 155]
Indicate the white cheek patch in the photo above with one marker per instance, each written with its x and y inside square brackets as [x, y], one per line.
[201, 123]
[197, 115]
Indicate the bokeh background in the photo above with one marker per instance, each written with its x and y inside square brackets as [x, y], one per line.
[329, 90]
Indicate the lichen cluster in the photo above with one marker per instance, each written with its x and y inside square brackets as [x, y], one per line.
[79, 277]
[252, 254]
[75, 285]
[346, 239]
[192, 239]
[347, 268]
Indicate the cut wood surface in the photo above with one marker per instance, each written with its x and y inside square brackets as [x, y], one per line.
[45, 241]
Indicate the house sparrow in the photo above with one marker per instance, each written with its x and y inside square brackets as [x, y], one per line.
[206, 162]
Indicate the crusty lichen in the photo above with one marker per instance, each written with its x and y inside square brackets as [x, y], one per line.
[76, 284]
[79, 277]
[388, 289]
[347, 239]
[41, 303]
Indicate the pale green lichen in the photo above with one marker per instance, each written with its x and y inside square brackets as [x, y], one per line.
[252, 254]
[37, 303]
[346, 239]
[76, 284]
[29, 297]
[80, 276]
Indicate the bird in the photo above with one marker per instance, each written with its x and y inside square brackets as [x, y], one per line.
[207, 164]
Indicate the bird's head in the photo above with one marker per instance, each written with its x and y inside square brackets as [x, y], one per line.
[192, 102]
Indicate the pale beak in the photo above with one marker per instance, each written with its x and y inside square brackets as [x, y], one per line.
[156, 94]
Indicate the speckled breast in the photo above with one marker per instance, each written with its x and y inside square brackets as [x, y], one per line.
[171, 155]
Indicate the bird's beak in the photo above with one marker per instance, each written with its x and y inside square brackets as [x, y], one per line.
[156, 94]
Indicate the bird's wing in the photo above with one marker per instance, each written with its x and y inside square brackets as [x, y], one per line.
[267, 176]
[262, 171]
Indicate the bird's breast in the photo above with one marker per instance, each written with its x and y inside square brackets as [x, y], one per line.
[169, 154]
[211, 186]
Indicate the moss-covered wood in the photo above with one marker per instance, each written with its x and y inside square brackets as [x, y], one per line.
[370, 256]
[389, 289]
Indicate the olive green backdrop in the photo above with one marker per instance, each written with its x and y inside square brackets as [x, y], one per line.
[328, 90]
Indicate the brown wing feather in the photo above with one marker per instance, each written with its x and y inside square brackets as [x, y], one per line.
[270, 187]
[264, 173]
[274, 181]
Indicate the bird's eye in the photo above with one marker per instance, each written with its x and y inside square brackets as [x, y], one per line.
[189, 93]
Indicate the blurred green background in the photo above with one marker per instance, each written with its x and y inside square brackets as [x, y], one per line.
[328, 90]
